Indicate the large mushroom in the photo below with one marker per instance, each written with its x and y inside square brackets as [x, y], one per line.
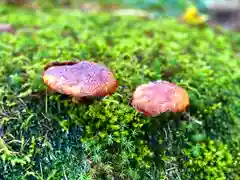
[80, 79]
[160, 96]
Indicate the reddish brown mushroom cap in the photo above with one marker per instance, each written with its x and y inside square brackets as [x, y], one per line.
[158, 97]
[79, 79]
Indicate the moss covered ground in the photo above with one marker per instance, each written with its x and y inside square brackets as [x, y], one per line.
[46, 136]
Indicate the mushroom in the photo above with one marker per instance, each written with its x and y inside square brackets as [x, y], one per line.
[158, 97]
[79, 79]
[6, 28]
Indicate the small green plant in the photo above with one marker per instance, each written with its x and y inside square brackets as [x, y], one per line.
[210, 160]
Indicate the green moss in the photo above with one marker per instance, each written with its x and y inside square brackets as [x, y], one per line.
[211, 160]
[46, 135]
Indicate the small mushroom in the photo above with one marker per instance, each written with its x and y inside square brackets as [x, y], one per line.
[80, 79]
[158, 97]
[6, 28]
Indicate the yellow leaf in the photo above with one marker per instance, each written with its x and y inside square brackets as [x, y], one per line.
[192, 16]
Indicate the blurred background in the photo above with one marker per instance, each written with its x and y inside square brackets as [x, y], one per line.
[222, 12]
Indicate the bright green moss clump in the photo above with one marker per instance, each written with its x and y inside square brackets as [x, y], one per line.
[47, 136]
[209, 160]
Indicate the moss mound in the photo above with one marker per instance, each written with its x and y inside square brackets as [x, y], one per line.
[46, 136]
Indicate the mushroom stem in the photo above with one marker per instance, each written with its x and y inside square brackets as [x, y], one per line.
[76, 100]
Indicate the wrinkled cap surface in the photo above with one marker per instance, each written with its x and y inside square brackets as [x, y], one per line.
[80, 79]
[158, 97]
